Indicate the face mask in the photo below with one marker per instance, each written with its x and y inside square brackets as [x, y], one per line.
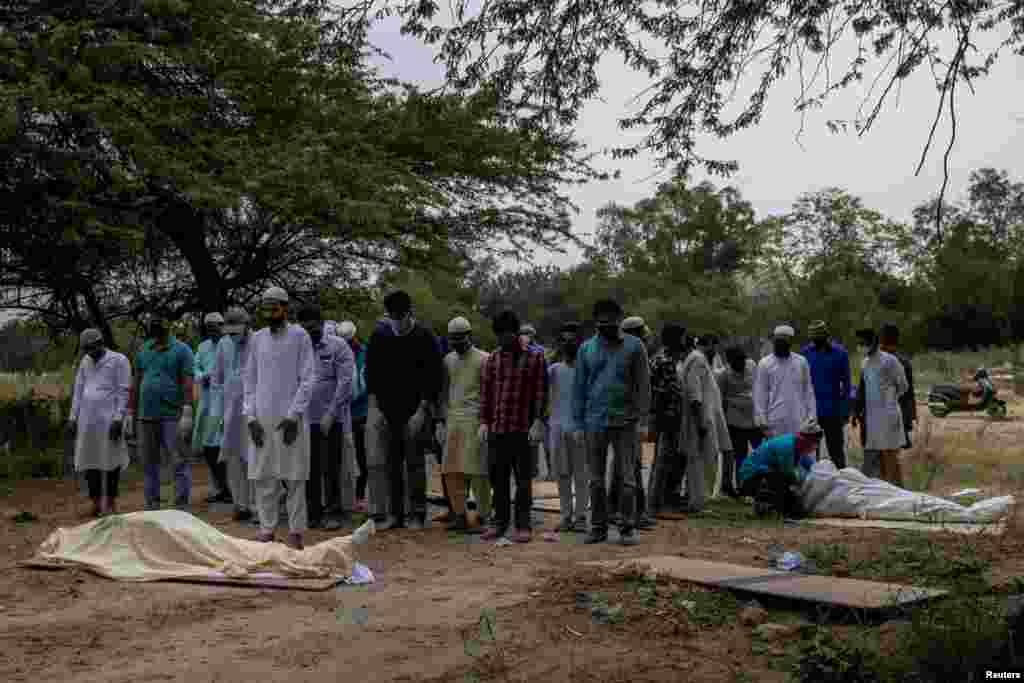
[96, 354]
[157, 331]
[738, 366]
[570, 349]
[782, 347]
[608, 331]
[864, 349]
[461, 347]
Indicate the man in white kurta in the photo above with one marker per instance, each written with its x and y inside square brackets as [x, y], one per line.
[279, 378]
[98, 407]
[705, 433]
[232, 352]
[882, 382]
[783, 390]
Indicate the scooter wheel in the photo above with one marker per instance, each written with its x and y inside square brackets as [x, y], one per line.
[997, 410]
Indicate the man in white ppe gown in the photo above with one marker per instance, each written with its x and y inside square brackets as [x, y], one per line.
[98, 407]
[232, 352]
[877, 408]
[704, 432]
[783, 390]
[208, 432]
[278, 381]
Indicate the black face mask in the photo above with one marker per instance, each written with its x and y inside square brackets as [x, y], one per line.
[608, 331]
[738, 365]
[157, 331]
[569, 349]
[782, 347]
[461, 347]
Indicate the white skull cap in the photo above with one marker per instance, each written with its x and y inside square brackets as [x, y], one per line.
[634, 322]
[90, 336]
[459, 326]
[784, 331]
[275, 294]
[213, 318]
[347, 329]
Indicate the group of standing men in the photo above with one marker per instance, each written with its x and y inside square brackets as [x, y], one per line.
[288, 411]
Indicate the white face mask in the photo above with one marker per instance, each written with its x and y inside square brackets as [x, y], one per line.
[864, 349]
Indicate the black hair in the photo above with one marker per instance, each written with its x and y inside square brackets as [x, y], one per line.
[673, 334]
[571, 326]
[867, 334]
[506, 321]
[398, 302]
[735, 353]
[709, 338]
[607, 306]
[309, 312]
[890, 331]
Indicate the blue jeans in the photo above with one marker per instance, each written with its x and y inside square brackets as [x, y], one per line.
[157, 437]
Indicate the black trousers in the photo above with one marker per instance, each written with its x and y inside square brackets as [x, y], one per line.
[218, 470]
[779, 496]
[95, 480]
[324, 459]
[359, 432]
[638, 482]
[510, 455]
[834, 439]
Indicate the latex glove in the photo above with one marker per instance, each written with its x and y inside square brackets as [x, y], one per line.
[326, 423]
[290, 427]
[116, 430]
[483, 433]
[416, 422]
[350, 441]
[185, 424]
[257, 433]
[441, 433]
[537, 431]
[71, 428]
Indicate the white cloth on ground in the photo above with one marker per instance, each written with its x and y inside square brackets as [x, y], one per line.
[277, 384]
[783, 393]
[828, 492]
[100, 397]
[884, 382]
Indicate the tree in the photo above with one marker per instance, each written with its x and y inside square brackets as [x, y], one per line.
[543, 56]
[249, 139]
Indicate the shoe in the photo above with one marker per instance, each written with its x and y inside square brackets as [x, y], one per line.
[492, 533]
[416, 522]
[315, 524]
[580, 526]
[645, 523]
[596, 536]
[265, 536]
[615, 519]
[565, 526]
[628, 537]
[338, 521]
[361, 505]
[294, 541]
[224, 497]
[392, 522]
[181, 504]
[152, 506]
[521, 536]
[443, 517]
[459, 524]
[242, 515]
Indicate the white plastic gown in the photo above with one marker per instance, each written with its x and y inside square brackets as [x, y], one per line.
[279, 377]
[100, 396]
[884, 382]
[699, 384]
[783, 394]
[227, 373]
[210, 415]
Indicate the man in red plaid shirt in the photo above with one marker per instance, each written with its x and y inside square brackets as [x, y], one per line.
[513, 392]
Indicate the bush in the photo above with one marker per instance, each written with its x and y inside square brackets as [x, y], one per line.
[826, 659]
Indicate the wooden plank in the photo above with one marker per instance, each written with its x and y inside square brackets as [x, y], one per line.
[995, 528]
[830, 590]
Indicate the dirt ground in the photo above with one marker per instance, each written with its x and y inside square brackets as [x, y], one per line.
[71, 625]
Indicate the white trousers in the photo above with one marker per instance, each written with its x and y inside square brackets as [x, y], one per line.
[268, 497]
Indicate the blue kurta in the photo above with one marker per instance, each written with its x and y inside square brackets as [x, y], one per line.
[209, 429]
[776, 455]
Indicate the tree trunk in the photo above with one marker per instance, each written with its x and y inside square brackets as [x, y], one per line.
[96, 312]
[186, 229]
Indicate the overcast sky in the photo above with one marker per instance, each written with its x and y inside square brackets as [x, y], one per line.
[774, 167]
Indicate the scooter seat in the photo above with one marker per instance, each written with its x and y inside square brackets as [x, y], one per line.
[950, 391]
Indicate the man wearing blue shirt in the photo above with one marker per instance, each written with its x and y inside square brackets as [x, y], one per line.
[830, 375]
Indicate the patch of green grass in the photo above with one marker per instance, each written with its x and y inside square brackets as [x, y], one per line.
[24, 518]
[30, 463]
[726, 512]
[709, 608]
[910, 555]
